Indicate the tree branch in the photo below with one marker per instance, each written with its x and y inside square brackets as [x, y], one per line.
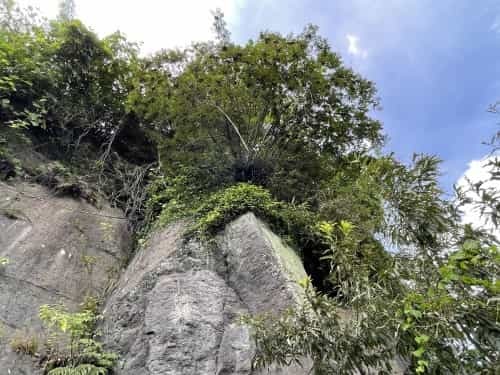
[245, 146]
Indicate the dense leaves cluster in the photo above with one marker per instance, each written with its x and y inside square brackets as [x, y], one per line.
[61, 76]
[275, 112]
[66, 90]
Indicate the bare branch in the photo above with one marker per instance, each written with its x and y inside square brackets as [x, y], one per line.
[245, 146]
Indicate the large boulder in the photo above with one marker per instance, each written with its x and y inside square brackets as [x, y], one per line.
[176, 309]
[59, 250]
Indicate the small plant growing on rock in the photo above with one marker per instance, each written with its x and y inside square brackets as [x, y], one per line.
[24, 343]
[82, 354]
[3, 261]
[89, 262]
[79, 370]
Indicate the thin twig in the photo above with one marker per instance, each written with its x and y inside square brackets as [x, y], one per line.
[235, 128]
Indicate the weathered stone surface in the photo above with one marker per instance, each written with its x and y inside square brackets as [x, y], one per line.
[175, 310]
[59, 251]
[263, 271]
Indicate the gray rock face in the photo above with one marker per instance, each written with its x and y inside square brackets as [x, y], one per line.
[175, 310]
[59, 250]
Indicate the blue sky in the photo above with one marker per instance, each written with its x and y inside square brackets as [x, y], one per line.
[436, 63]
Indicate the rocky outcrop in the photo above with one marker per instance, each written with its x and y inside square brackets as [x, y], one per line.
[175, 310]
[59, 251]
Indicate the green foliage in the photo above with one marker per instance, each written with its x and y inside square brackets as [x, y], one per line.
[222, 207]
[76, 324]
[483, 195]
[23, 78]
[448, 327]
[212, 212]
[276, 112]
[83, 353]
[4, 261]
[79, 370]
[474, 265]
[173, 198]
[360, 192]
[67, 90]
[12, 149]
[440, 312]
[455, 324]
[347, 330]
[300, 226]
[62, 76]
[315, 330]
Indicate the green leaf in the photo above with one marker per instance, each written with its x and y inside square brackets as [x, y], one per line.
[419, 352]
[421, 339]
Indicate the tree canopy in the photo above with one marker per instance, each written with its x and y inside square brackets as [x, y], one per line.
[256, 107]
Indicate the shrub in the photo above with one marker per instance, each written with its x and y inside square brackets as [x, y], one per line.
[79, 370]
[222, 207]
[83, 354]
[24, 343]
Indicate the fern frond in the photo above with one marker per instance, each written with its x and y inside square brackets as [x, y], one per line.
[79, 370]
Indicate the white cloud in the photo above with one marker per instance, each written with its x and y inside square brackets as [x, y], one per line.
[354, 48]
[478, 170]
[158, 24]
[495, 27]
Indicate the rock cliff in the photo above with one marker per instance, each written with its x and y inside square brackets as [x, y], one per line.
[173, 311]
[59, 250]
[177, 306]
